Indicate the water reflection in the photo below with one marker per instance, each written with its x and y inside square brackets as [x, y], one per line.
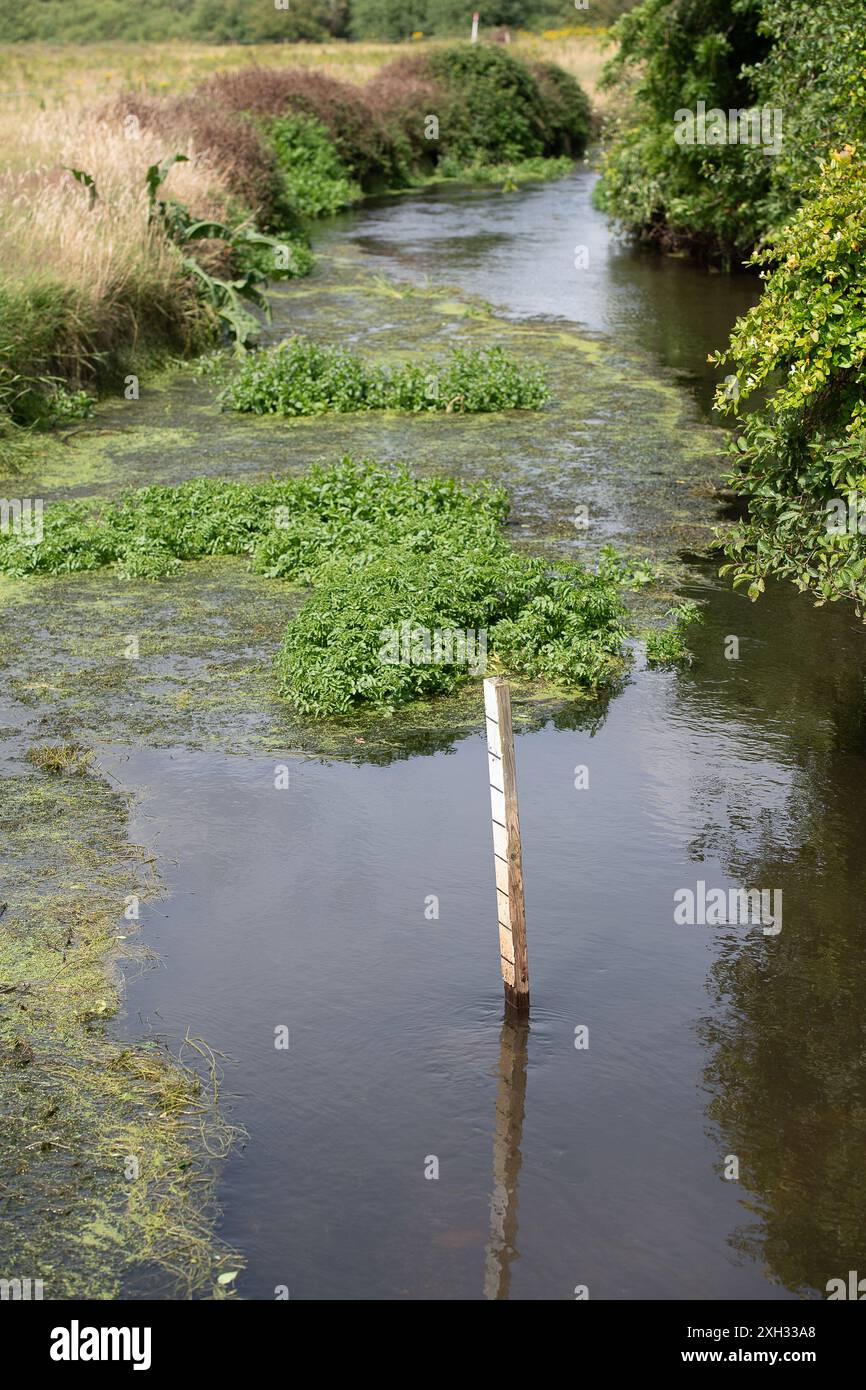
[786, 1038]
[507, 1138]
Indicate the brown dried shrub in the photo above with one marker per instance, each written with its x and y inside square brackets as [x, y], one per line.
[363, 141]
[231, 143]
[404, 94]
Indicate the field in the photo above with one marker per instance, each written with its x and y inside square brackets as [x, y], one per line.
[37, 75]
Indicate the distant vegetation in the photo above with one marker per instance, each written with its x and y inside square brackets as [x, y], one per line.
[259, 21]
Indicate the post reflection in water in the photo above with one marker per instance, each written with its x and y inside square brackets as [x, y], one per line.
[507, 1138]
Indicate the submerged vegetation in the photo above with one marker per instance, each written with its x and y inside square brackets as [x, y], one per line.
[301, 378]
[380, 550]
[105, 1175]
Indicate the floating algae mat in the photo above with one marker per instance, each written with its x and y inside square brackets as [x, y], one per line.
[617, 438]
[105, 1180]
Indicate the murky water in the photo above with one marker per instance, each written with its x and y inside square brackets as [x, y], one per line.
[309, 908]
[305, 908]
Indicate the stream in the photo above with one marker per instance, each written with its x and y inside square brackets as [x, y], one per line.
[560, 1167]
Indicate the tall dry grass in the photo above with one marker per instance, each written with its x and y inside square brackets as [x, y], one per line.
[48, 221]
[84, 277]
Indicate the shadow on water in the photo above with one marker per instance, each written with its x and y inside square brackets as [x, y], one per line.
[786, 1036]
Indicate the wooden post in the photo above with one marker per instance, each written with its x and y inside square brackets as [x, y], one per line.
[506, 842]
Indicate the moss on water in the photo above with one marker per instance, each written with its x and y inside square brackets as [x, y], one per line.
[105, 1183]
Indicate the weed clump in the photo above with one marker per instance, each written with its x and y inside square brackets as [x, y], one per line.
[666, 646]
[382, 552]
[300, 377]
[105, 1149]
[61, 759]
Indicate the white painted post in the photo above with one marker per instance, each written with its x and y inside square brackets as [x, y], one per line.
[506, 842]
[475, 19]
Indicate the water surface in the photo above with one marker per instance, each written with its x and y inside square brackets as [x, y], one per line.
[308, 908]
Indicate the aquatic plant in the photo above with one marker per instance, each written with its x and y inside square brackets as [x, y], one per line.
[379, 549]
[61, 759]
[300, 377]
[666, 646]
[224, 296]
[118, 1141]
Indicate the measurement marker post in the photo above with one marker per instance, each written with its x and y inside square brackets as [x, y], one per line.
[506, 842]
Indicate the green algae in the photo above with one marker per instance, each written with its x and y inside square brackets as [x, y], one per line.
[646, 488]
[106, 1179]
[205, 674]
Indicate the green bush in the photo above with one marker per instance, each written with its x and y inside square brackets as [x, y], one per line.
[801, 352]
[315, 182]
[807, 61]
[672, 55]
[299, 377]
[493, 108]
[567, 121]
